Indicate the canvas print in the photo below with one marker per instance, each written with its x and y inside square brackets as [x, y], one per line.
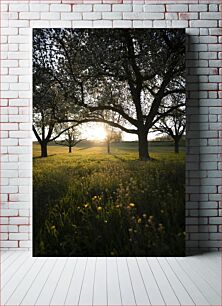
[109, 130]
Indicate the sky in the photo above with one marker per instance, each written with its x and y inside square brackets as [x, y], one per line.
[96, 131]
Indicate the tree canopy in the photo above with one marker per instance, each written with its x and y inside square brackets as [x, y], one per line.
[132, 73]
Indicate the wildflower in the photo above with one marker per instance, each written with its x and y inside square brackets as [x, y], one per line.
[117, 206]
[53, 227]
[112, 253]
[139, 220]
[130, 230]
[131, 205]
[99, 208]
[105, 221]
[144, 216]
[86, 205]
[162, 211]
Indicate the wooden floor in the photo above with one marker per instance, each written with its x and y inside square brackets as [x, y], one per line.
[191, 280]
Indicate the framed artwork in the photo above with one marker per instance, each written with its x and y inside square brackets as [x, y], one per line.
[109, 127]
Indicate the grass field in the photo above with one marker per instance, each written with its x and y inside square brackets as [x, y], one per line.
[89, 203]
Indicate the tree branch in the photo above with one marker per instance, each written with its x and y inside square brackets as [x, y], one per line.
[132, 131]
[115, 109]
[36, 134]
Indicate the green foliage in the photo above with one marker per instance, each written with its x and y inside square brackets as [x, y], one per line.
[101, 205]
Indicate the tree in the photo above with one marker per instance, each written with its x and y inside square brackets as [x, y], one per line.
[173, 125]
[71, 138]
[48, 105]
[112, 135]
[142, 68]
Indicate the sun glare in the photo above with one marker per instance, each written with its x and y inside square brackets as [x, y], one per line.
[95, 132]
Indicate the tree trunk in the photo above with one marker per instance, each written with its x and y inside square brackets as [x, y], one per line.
[70, 149]
[143, 146]
[108, 147]
[176, 145]
[44, 152]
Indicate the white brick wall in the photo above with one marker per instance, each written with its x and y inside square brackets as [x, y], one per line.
[201, 18]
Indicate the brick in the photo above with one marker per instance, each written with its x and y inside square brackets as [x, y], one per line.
[188, 16]
[24, 229]
[8, 228]
[137, 8]
[18, 7]
[122, 23]
[18, 220]
[60, 8]
[180, 23]
[92, 15]
[121, 7]
[9, 212]
[162, 23]
[18, 236]
[19, 23]
[39, 7]
[71, 16]
[82, 8]
[8, 244]
[171, 16]
[112, 15]
[212, 16]
[197, 7]
[203, 23]
[3, 220]
[134, 15]
[39, 23]
[102, 7]
[19, 118]
[29, 15]
[82, 24]
[177, 8]
[102, 23]
[154, 8]
[25, 244]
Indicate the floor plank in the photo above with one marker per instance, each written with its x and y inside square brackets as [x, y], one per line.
[13, 270]
[5, 255]
[76, 283]
[180, 291]
[10, 287]
[127, 293]
[86, 294]
[113, 285]
[152, 287]
[100, 283]
[21, 289]
[49, 287]
[61, 290]
[208, 292]
[137, 281]
[166, 289]
[110, 281]
[213, 279]
[187, 281]
[37, 285]
[11, 261]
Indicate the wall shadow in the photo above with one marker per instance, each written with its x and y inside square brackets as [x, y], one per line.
[193, 174]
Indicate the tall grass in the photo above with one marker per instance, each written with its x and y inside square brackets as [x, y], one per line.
[100, 205]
